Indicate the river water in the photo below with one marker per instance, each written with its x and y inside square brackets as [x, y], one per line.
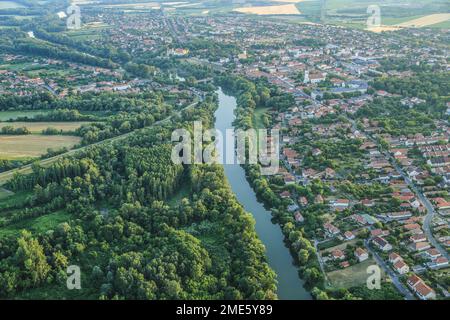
[290, 286]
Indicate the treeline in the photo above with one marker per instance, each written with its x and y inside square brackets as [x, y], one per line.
[434, 87]
[211, 50]
[36, 48]
[89, 101]
[394, 118]
[105, 52]
[121, 123]
[17, 43]
[15, 131]
[6, 165]
[59, 115]
[405, 64]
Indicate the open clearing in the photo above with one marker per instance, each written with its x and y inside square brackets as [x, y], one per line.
[37, 127]
[352, 276]
[16, 147]
[36, 225]
[268, 10]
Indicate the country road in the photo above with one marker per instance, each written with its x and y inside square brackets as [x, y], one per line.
[7, 175]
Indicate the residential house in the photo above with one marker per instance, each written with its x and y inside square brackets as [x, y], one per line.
[440, 262]
[419, 246]
[401, 267]
[349, 235]
[330, 229]
[422, 290]
[421, 237]
[379, 233]
[432, 253]
[338, 254]
[361, 254]
[394, 257]
[382, 244]
[285, 194]
[298, 217]
[340, 204]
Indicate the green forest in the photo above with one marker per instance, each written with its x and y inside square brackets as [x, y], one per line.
[127, 224]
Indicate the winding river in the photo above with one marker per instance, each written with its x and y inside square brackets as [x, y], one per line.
[290, 286]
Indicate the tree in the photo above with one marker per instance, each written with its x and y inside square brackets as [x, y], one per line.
[31, 258]
[303, 256]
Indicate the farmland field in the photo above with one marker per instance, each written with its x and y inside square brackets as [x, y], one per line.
[17, 147]
[426, 21]
[352, 276]
[268, 10]
[37, 127]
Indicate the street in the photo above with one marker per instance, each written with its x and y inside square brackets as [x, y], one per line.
[392, 275]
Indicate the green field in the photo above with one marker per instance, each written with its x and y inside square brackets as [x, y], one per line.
[353, 13]
[352, 276]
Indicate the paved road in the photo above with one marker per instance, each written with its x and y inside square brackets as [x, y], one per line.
[392, 275]
[5, 176]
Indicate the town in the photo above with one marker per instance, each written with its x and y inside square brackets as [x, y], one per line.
[364, 173]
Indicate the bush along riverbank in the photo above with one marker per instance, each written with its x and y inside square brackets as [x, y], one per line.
[251, 96]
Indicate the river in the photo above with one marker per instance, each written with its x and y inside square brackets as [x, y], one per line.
[290, 286]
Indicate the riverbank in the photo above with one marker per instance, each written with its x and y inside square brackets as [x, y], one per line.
[290, 286]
